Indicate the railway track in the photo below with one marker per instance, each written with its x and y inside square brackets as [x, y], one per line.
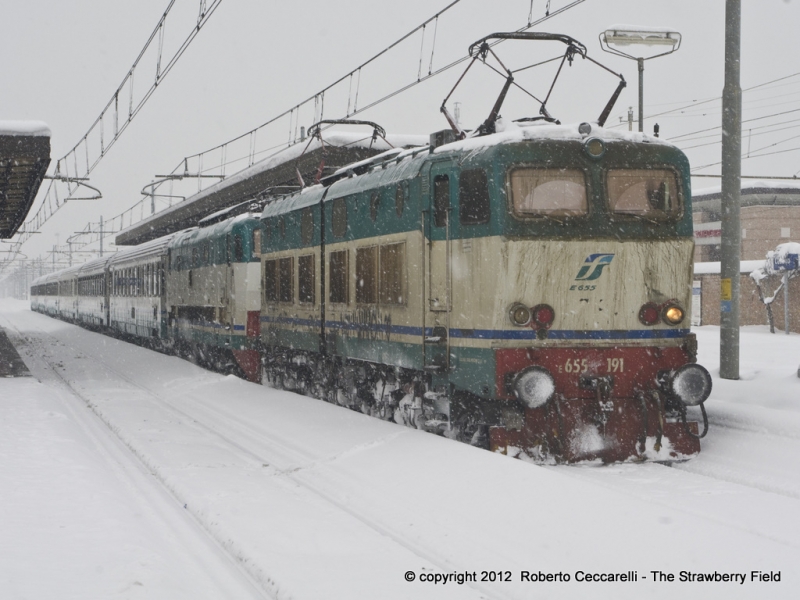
[250, 454]
[272, 455]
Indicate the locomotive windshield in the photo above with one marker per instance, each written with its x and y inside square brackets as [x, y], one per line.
[548, 192]
[650, 193]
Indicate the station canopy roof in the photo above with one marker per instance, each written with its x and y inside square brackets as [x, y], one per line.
[270, 177]
[24, 158]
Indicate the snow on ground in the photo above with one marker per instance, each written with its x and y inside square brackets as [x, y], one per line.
[126, 473]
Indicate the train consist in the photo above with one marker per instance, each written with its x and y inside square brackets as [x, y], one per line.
[527, 290]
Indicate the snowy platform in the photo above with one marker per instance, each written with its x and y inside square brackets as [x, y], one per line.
[130, 474]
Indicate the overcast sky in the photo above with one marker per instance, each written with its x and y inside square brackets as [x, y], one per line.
[255, 59]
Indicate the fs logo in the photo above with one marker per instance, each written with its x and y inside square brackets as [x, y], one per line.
[593, 266]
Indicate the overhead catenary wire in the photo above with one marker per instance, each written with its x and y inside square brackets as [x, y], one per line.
[319, 97]
[47, 208]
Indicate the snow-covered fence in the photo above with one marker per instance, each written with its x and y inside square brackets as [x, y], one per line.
[784, 262]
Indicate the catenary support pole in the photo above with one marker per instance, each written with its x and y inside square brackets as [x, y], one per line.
[641, 93]
[731, 191]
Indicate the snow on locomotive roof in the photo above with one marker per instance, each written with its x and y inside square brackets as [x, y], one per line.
[510, 132]
[25, 128]
[339, 139]
[306, 197]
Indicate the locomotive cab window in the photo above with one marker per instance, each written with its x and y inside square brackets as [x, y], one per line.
[548, 192]
[473, 195]
[649, 193]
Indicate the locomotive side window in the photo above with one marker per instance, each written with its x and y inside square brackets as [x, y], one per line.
[286, 279]
[238, 248]
[339, 221]
[651, 193]
[392, 273]
[271, 281]
[307, 226]
[374, 204]
[548, 192]
[399, 199]
[305, 278]
[256, 243]
[366, 275]
[339, 269]
[473, 195]
[441, 199]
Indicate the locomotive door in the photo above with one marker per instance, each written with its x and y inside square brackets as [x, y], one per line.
[442, 186]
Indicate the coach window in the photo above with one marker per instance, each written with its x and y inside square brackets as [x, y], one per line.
[286, 279]
[305, 279]
[307, 226]
[271, 281]
[441, 199]
[366, 275]
[339, 270]
[392, 273]
[649, 193]
[548, 192]
[473, 195]
[339, 220]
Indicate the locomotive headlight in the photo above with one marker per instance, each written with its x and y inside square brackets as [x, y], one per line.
[594, 147]
[691, 384]
[534, 386]
[519, 314]
[672, 314]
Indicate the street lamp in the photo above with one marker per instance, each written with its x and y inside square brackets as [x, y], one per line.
[625, 35]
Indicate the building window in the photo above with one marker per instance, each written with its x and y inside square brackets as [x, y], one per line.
[305, 278]
[392, 273]
[366, 275]
[338, 283]
[286, 279]
[339, 220]
[473, 195]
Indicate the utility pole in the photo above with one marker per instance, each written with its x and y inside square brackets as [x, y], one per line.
[630, 118]
[731, 193]
[101, 236]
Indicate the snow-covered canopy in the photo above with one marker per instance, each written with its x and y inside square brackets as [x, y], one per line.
[25, 128]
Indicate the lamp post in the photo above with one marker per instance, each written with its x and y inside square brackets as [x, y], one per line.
[639, 36]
